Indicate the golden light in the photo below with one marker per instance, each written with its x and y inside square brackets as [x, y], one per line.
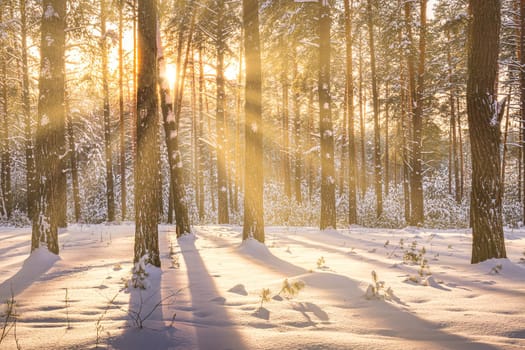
[232, 70]
[171, 75]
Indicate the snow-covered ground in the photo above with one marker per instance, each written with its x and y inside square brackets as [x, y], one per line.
[208, 293]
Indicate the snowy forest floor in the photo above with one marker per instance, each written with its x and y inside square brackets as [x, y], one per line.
[208, 293]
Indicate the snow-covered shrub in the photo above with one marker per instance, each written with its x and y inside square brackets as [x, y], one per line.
[280, 210]
[393, 209]
[18, 219]
[378, 290]
[441, 208]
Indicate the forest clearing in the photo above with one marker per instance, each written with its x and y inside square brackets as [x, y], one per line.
[210, 288]
[262, 174]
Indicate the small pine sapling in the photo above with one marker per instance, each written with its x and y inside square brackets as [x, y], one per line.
[321, 262]
[139, 274]
[377, 289]
[291, 290]
[265, 296]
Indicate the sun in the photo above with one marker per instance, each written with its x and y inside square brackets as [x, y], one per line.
[171, 75]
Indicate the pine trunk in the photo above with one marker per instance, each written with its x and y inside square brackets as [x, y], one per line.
[170, 119]
[147, 161]
[122, 125]
[28, 119]
[253, 171]
[375, 104]
[352, 156]
[5, 175]
[522, 101]
[328, 210]
[110, 194]
[50, 136]
[298, 158]
[484, 118]
[222, 180]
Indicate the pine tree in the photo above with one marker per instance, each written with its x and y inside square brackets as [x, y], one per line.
[147, 158]
[253, 172]
[50, 135]
[484, 118]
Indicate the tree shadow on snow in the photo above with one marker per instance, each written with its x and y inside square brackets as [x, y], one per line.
[213, 327]
[37, 264]
[147, 327]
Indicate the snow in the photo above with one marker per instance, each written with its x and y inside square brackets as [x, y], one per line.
[45, 120]
[207, 295]
[50, 12]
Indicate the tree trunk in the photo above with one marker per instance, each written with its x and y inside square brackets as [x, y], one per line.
[171, 118]
[522, 99]
[253, 172]
[484, 118]
[5, 176]
[28, 119]
[309, 143]
[298, 158]
[238, 106]
[122, 126]
[50, 137]
[352, 156]
[73, 159]
[416, 180]
[147, 162]
[362, 113]
[285, 150]
[201, 145]
[375, 99]
[405, 100]
[461, 154]
[222, 180]
[328, 210]
[110, 195]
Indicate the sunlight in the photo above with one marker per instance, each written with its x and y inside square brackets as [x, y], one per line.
[231, 72]
[171, 75]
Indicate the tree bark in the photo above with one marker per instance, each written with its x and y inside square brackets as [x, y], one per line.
[253, 172]
[201, 145]
[222, 179]
[328, 210]
[298, 158]
[110, 194]
[28, 119]
[522, 100]
[171, 118]
[484, 118]
[5, 175]
[147, 162]
[50, 137]
[122, 125]
[285, 146]
[352, 156]
[375, 99]
[362, 113]
[73, 163]
[416, 180]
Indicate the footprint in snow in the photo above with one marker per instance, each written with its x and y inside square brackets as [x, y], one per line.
[238, 289]
[219, 300]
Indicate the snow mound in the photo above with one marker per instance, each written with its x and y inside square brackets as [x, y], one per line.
[503, 267]
[39, 262]
[255, 249]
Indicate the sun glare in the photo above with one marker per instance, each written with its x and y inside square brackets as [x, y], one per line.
[171, 75]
